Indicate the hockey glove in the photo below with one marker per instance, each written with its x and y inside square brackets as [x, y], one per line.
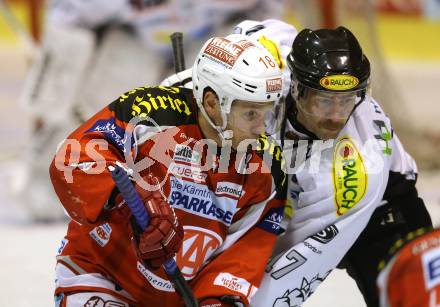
[163, 236]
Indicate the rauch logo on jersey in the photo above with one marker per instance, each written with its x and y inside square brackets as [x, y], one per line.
[349, 175]
[199, 200]
[198, 245]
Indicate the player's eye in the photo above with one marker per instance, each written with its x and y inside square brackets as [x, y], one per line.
[250, 115]
[325, 101]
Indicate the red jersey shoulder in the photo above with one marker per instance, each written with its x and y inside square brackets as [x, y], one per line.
[159, 105]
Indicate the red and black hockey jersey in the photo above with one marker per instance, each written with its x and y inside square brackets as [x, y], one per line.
[231, 218]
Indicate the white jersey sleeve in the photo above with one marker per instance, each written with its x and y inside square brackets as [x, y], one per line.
[276, 36]
[334, 187]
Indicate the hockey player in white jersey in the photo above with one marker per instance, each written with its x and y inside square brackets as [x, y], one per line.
[351, 183]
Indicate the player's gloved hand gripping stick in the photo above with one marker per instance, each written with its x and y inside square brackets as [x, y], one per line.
[141, 215]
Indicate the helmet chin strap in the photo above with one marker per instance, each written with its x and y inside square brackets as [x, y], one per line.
[221, 130]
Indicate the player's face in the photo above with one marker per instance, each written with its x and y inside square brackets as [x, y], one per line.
[247, 120]
[325, 113]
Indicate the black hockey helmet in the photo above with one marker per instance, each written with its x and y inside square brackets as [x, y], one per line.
[329, 60]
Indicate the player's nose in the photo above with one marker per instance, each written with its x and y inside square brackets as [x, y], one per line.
[258, 127]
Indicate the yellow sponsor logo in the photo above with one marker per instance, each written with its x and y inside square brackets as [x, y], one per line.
[339, 82]
[349, 175]
[145, 103]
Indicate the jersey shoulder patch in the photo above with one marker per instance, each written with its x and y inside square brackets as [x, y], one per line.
[159, 105]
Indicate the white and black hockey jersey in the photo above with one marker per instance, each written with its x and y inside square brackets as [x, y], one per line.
[334, 187]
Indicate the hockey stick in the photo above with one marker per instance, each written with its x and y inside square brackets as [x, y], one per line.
[142, 219]
[179, 58]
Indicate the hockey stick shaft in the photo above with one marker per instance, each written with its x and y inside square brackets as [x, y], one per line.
[139, 212]
[179, 58]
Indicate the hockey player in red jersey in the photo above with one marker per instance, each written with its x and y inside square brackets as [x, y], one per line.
[223, 198]
[410, 276]
[80, 48]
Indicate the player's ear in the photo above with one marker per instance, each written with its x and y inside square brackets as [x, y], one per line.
[210, 103]
[210, 100]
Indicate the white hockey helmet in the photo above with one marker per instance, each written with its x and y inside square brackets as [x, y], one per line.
[236, 67]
